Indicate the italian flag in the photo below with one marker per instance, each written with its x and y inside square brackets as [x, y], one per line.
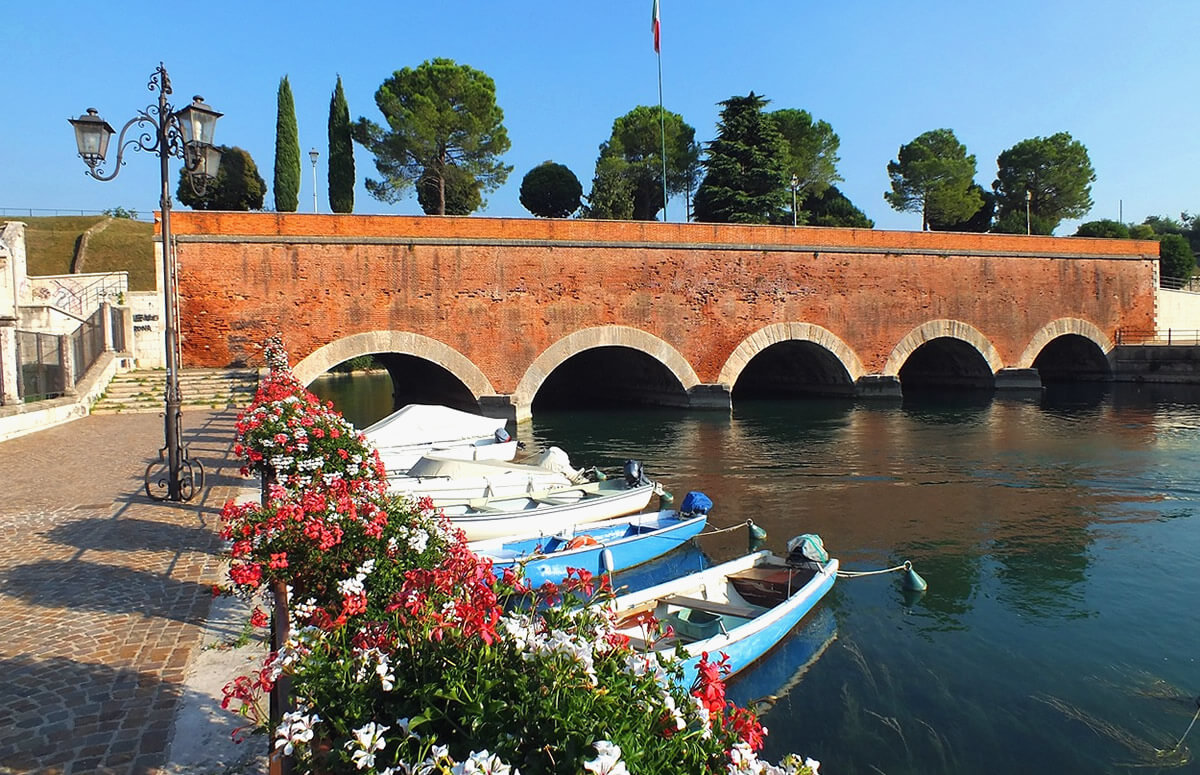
[655, 26]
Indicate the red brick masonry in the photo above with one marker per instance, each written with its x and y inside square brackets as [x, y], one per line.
[502, 290]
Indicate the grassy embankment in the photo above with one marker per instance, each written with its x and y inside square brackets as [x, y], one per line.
[123, 244]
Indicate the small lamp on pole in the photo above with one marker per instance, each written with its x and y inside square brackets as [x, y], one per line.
[313, 156]
[186, 134]
[1028, 221]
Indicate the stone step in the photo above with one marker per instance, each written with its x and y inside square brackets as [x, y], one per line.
[144, 391]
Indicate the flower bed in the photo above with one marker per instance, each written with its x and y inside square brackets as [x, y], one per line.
[402, 652]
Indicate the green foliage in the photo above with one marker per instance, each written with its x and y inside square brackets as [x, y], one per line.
[933, 175]
[1161, 224]
[980, 222]
[238, 186]
[551, 190]
[1103, 228]
[462, 195]
[1175, 257]
[341, 153]
[744, 180]
[1013, 222]
[812, 148]
[287, 151]
[440, 116]
[1057, 173]
[630, 165]
[1141, 231]
[121, 212]
[832, 208]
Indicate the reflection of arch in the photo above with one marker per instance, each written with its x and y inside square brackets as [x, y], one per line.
[1062, 327]
[602, 336]
[324, 358]
[776, 333]
[937, 329]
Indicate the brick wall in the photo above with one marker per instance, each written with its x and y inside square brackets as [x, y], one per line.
[500, 291]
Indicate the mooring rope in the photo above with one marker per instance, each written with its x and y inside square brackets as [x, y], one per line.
[1185, 734]
[719, 530]
[853, 574]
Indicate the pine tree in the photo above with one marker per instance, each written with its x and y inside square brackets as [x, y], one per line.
[341, 153]
[287, 152]
[745, 167]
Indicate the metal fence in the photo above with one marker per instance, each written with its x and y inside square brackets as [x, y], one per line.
[1170, 336]
[41, 366]
[87, 342]
[1180, 283]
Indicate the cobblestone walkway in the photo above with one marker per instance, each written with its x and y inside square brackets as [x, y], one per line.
[103, 592]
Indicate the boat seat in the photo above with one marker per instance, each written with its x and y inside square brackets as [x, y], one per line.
[711, 606]
[554, 501]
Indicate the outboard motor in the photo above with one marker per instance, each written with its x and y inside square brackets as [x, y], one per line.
[695, 503]
[634, 474]
[807, 551]
[502, 436]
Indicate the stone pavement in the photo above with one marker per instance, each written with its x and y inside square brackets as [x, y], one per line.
[104, 593]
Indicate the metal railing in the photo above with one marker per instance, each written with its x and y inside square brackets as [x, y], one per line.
[87, 343]
[41, 366]
[1180, 283]
[1170, 336]
[80, 295]
[16, 212]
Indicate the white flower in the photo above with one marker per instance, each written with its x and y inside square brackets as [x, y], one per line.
[295, 728]
[351, 587]
[743, 760]
[483, 763]
[367, 740]
[607, 761]
[813, 765]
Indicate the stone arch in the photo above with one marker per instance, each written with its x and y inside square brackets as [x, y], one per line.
[328, 356]
[1062, 327]
[775, 333]
[602, 336]
[937, 329]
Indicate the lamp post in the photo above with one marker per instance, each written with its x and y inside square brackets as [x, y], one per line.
[313, 155]
[1028, 222]
[795, 182]
[185, 134]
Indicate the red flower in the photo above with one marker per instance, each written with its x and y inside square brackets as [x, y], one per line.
[259, 618]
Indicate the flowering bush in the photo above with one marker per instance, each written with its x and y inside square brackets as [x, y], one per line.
[292, 439]
[407, 654]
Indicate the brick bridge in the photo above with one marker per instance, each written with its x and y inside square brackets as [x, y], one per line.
[503, 313]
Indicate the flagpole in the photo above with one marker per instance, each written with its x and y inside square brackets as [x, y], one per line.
[662, 116]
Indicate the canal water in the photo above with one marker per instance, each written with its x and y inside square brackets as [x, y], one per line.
[1059, 537]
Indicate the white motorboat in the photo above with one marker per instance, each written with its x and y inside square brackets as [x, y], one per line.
[419, 429]
[451, 480]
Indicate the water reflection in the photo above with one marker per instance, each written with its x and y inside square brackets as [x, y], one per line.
[1054, 533]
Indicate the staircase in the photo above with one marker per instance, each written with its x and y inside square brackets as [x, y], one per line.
[144, 391]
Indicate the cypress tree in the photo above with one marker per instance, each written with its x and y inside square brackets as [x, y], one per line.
[745, 166]
[341, 153]
[287, 152]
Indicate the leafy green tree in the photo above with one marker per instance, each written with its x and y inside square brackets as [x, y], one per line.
[1057, 174]
[631, 164]
[1175, 257]
[1162, 224]
[1103, 228]
[462, 195]
[551, 190]
[441, 116]
[933, 176]
[832, 208]
[744, 167]
[980, 222]
[341, 153]
[238, 186]
[1141, 231]
[812, 148]
[287, 151]
[121, 212]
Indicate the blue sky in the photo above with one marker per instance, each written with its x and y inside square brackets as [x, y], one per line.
[1119, 77]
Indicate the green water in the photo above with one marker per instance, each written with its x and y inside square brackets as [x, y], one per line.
[1058, 536]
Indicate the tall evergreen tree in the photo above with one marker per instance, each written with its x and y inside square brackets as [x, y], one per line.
[287, 151]
[341, 153]
[745, 167]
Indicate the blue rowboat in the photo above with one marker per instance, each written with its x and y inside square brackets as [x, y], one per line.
[598, 547]
[741, 609]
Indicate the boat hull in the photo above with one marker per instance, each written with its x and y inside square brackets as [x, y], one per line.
[628, 541]
[745, 632]
[498, 517]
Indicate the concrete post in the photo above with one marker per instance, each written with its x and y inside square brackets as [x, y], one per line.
[106, 323]
[10, 377]
[67, 362]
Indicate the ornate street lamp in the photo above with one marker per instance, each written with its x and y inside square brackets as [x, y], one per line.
[1028, 201]
[186, 134]
[795, 183]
